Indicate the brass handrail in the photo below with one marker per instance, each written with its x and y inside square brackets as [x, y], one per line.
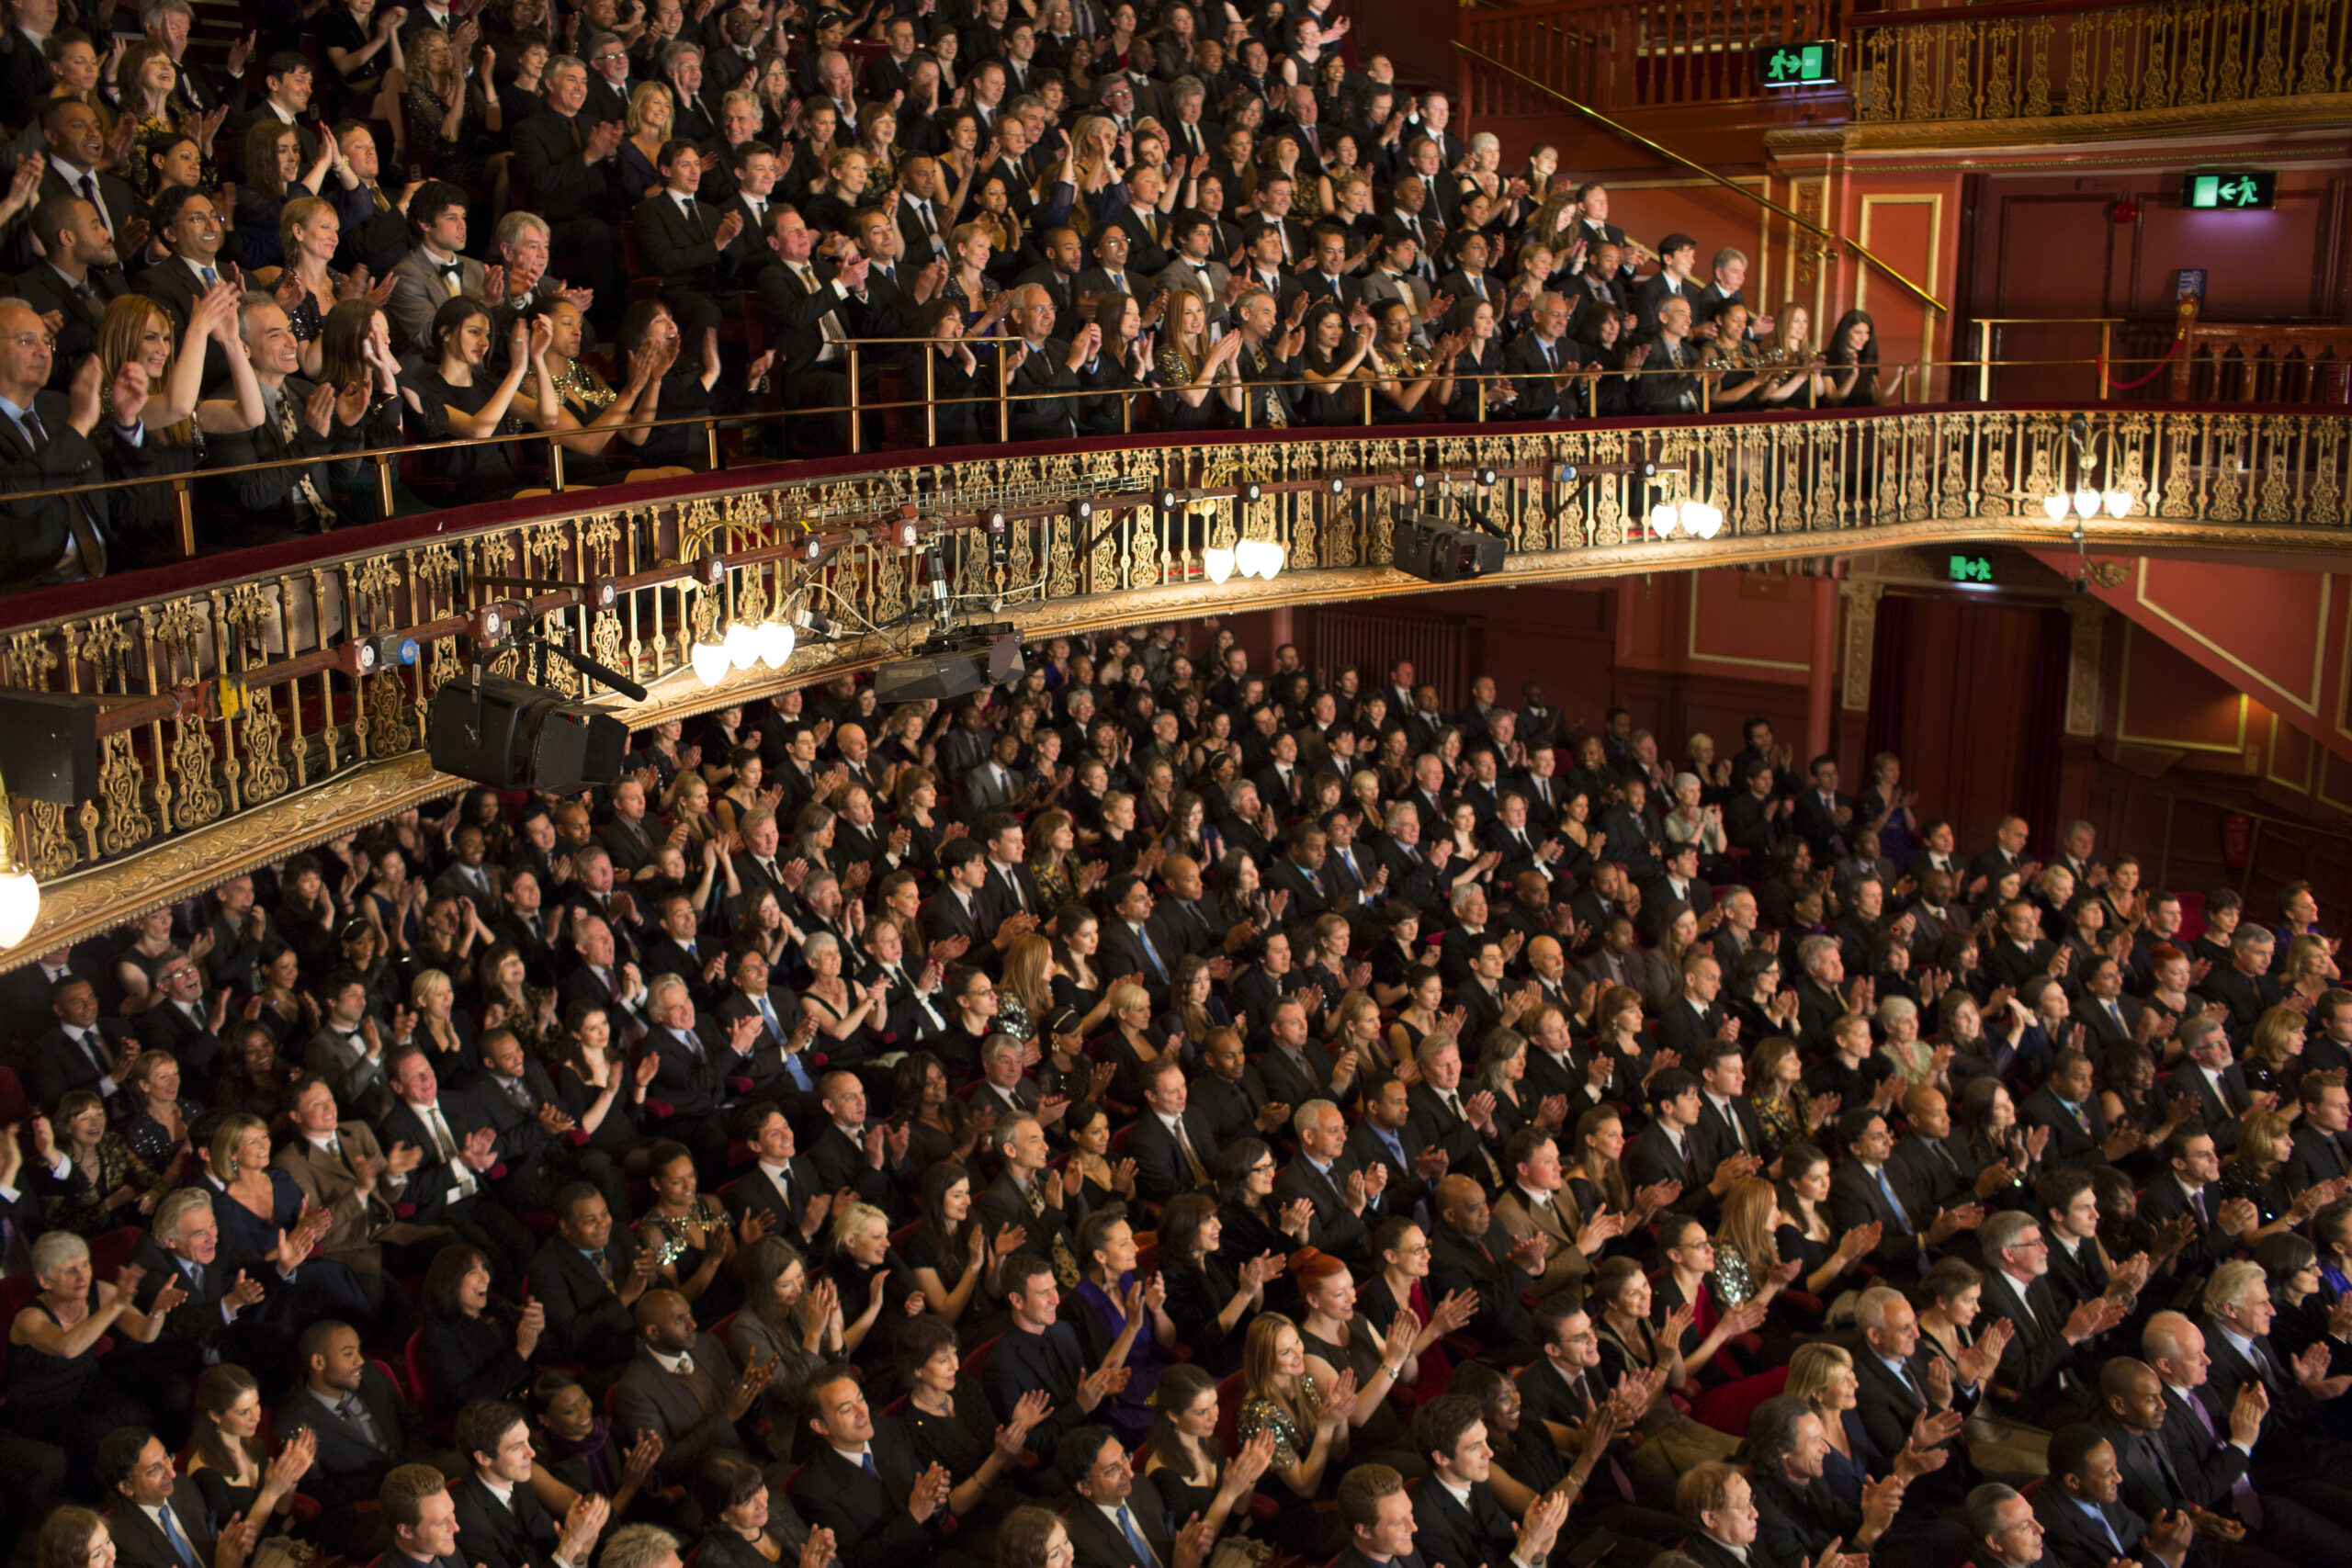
[1668, 153]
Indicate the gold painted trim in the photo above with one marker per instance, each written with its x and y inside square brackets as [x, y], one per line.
[2319, 643]
[1934, 202]
[2122, 713]
[2270, 758]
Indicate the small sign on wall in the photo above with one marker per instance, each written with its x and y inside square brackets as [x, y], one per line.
[2228, 190]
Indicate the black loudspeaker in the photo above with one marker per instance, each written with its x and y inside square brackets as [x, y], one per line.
[52, 746]
[511, 735]
[952, 669]
[1434, 552]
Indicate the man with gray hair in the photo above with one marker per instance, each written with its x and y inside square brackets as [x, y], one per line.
[2041, 1362]
[2001, 1521]
[639, 1546]
[2226, 1458]
[207, 1319]
[1730, 267]
[1344, 1189]
[1906, 1395]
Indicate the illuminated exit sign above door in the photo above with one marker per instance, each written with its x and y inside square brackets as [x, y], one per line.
[1797, 64]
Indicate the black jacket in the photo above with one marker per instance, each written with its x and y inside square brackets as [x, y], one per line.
[586, 1320]
[519, 1533]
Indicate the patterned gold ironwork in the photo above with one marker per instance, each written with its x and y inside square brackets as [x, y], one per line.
[123, 785]
[199, 798]
[49, 851]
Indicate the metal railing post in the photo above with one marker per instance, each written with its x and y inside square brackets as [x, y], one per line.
[930, 397]
[856, 426]
[1003, 408]
[184, 500]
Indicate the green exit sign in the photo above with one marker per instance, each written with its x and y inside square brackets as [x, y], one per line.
[1797, 64]
[2228, 190]
[1970, 569]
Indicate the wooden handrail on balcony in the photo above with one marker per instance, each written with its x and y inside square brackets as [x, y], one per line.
[1628, 54]
[2255, 361]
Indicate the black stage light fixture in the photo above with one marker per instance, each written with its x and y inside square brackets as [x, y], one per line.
[952, 666]
[1433, 549]
[511, 735]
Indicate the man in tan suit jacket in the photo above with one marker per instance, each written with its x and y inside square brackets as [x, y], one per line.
[339, 1165]
[1536, 1200]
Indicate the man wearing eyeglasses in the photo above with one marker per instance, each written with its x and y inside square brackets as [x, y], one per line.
[184, 1023]
[45, 444]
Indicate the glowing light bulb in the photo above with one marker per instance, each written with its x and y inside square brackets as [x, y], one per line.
[1218, 563]
[710, 662]
[2086, 503]
[2055, 505]
[776, 638]
[1665, 518]
[1269, 559]
[2119, 502]
[19, 906]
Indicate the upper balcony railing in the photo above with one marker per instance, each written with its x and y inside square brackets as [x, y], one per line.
[237, 723]
[1905, 62]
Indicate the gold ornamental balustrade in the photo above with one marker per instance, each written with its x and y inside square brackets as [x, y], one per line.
[236, 729]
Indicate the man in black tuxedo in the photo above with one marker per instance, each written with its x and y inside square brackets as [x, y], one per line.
[684, 239]
[212, 1322]
[589, 1276]
[864, 1482]
[500, 1522]
[2190, 1191]
[81, 1050]
[700, 1069]
[184, 1023]
[559, 154]
[2214, 1080]
[1667, 1150]
[75, 279]
[1695, 1019]
[366, 1433]
[1823, 813]
[1543, 362]
[1727, 1124]
[156, 1516]
[1796, 1516]
[804, 308]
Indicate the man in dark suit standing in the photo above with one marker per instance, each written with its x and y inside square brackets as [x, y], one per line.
[682, 1387]
[589, 1277]
[364, 1428]
[156, 1516]
[682, 239]
[500, 1522]
[1456, 1518]
[697, 1069]
[803, 305]
[1823, 812]
[559, 154]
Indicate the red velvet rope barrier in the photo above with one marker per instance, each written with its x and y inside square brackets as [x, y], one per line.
[2170, 349]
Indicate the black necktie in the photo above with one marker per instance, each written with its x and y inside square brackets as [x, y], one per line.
[87, 546]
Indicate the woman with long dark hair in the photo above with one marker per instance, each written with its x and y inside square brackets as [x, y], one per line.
[477, 1346]
[1853, 368]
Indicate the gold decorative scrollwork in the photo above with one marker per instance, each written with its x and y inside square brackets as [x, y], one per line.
[2271, 68]
[199, 798]
[106, 644]
[2181, 464]
[2037, 76]
[31, 655]
[387, 708]
[2324, 502]
[2277, 500]
[178, 626]
[264, 771]
[47, 843]
[123, 785]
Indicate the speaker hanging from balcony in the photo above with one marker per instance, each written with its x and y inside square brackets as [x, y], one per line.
[511, 735]
[952, 667]
[1435, 550]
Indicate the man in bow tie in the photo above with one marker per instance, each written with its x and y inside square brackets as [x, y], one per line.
[433, 273]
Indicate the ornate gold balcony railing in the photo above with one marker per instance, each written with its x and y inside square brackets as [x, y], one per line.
[234, 730]
[1991, 63]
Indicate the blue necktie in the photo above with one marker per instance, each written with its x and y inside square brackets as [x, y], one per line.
[179, 1542]
[1151, 953]
[1135, 1538]
[1893, 1201]
[865, 1462]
